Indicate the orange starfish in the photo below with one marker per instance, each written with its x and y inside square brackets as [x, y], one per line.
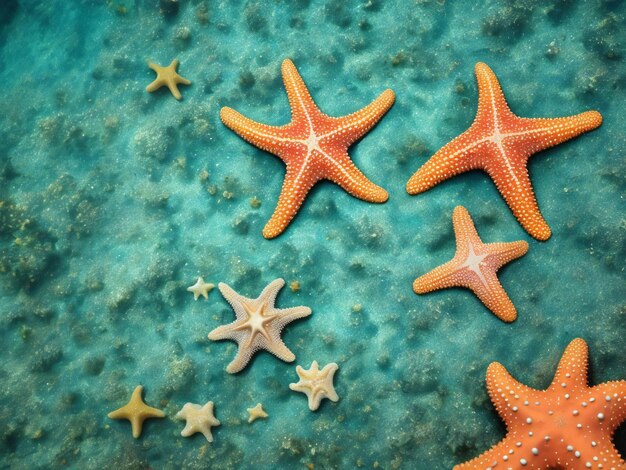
[314, 147]
[500, 143]
[474, 266]
[569, 425]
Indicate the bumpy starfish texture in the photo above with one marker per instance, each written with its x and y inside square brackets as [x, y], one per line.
[167, 76]
[201, 288]
[256, 412]
[316, 384]
[258, 324]
[474, 266]
[500, 143]
[199, 419]
[569, 425]
[136, 411]
[314, 147]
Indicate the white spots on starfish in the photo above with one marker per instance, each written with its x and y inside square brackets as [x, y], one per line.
[560, 433]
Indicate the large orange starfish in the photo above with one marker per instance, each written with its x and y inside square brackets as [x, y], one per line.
[569, 425]
[500, 143]
[314, 146]
[474, 266]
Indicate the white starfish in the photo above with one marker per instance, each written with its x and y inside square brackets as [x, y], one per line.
[258, 324]
[316, 384]
[199, 419]
[201, 288]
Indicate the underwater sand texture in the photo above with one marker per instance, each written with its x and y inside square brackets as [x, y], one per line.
[115, 200]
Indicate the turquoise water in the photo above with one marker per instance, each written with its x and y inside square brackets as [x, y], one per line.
[114, 200]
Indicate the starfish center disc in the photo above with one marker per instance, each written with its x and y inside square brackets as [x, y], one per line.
[312, 142]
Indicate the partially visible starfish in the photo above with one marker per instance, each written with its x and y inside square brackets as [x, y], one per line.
[256, 413]
[316, 384]
[167, 76]
[314, 147]
[569, 425]
[474, 266]
[500, 143]
[136, 411]
[258, 324]
[201, 288]
[199, 419]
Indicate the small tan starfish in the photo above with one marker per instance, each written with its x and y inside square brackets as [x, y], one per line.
[258, 324]
[316, 384]
[167, 76]
[199, 419]
[256, 413]
[136, 411]
[201, 288]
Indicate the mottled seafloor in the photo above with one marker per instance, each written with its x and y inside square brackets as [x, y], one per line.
[113, 200]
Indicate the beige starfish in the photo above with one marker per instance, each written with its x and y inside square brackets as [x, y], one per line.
[256, 413]
[201, 288]
[136, 411]
[316, 384]
[167, 76]
[199, 419]
[258, 324]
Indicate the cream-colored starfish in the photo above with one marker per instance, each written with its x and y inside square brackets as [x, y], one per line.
[136, 411]
[316, 384]
[199, 419]
[256, 413]
[201, 288]
[167, 76]
[258, 324]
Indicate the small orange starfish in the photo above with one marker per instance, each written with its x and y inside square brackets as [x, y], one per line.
[569, 425]
[500, 143]
[314, 147]
[474, 266]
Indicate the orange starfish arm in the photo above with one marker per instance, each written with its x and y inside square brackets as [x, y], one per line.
[298, 182]
[572, 368]
[464, 230]
[492, 106]
[350, 178]
[616, 391]
[495, 298]
[354, 126]
[503, 253]
[452, 159]
[516, 189]
[441, 277]
[505, 393]
[269, 138]
[538, 134]
[303, 108]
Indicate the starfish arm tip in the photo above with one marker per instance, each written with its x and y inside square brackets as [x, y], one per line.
[155, 85]
[593, 119]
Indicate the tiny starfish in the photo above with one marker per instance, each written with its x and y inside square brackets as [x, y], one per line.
[136, 411]
[201, 288]
[569, 425]
[474, 266]
[500, 143]
[314, 147]
[316, 384]
[167, 76]
[258, 324]
[199, 419]
[256, 412]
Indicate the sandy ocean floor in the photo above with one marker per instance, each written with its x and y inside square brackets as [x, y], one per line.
[114, 200]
